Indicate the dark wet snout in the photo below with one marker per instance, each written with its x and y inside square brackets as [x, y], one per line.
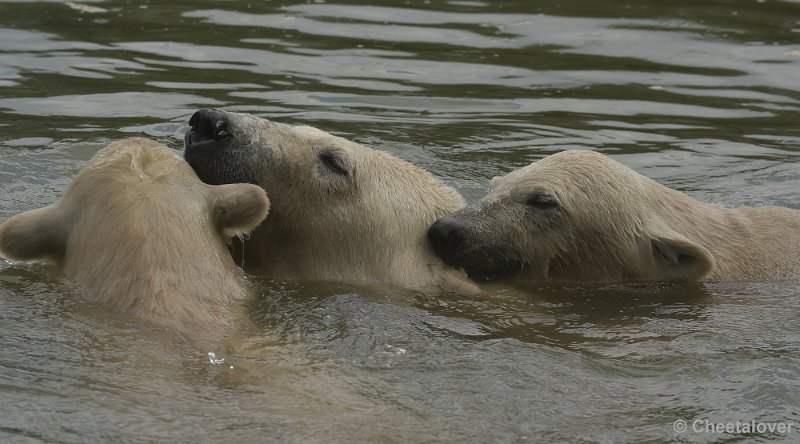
[213, 151]
[460, 243]
[208, 125]
[446, 236]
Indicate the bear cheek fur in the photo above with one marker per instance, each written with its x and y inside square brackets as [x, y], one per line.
[575, 241]
[276, 157]
[611, 228]
[296, 176]
[310, 207]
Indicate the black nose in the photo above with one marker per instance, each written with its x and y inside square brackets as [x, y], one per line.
[207, 124]
[446, 234]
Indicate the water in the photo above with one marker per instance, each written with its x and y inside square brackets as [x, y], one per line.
[702, 96]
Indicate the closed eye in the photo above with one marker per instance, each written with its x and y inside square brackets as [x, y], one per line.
[333, 161]
[542, 200]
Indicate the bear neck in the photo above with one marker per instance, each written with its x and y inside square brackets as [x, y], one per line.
[373, 253]
[296, 256]
[748, 243]
[189, 288]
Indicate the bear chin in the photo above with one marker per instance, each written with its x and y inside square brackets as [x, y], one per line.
[498, 270]
[485, 266]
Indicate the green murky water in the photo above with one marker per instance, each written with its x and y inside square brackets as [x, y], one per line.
[703, 96]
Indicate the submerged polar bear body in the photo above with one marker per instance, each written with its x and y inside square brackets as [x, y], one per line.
[140, 233]
[580, 216]
[340, 210]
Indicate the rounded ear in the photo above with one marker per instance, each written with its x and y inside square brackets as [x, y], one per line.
[676, 258]
[35, 234]
[238, 208]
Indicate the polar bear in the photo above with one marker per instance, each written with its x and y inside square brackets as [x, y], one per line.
[340, 210]
[580, 216]
[140, 233]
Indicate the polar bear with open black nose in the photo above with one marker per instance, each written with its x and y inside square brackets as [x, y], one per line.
[339, 210]
[580, 216]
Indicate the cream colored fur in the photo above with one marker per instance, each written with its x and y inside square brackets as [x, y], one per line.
[143, 235]
[615, 224]
[368, 225]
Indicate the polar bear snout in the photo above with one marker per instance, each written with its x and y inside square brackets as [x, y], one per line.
[463, 242]
[446, 235]
[208, 126]
[214, 149]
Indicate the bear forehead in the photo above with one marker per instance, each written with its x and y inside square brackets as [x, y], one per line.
[569, 171]
[310, 132]
[575, 166]
[587, 162]
[132, 162]
[133, 151]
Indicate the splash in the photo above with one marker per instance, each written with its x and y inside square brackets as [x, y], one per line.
[212, 357]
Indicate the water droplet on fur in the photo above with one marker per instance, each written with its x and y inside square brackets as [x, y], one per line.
[212, 357]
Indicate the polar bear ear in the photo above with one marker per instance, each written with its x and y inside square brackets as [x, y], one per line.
[238, 208]
[676, 258]
[35, 234]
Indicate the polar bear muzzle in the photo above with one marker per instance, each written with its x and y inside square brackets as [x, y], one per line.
[453, 240]
[214, 151]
